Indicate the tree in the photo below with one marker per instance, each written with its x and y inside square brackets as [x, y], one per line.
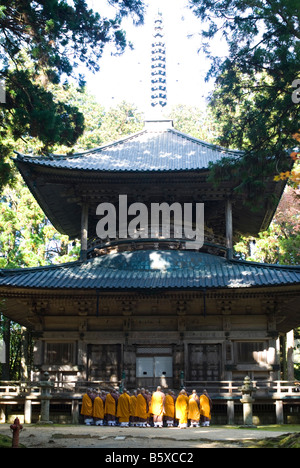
[194, 121]
[252, 99]
[294, 174]
[119, 121]
[281, 242]
[54, 37]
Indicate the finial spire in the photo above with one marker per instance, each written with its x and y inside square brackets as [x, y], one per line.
[158, 66]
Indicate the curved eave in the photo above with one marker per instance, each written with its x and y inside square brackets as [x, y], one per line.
[152, 269]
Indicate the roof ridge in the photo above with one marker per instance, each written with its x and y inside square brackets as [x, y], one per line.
[53, 156]
[204, 143]
[124, 139]
[263, 265]
[52, 266]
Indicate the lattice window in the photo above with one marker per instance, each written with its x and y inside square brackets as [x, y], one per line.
[59, 353]
[251, 352]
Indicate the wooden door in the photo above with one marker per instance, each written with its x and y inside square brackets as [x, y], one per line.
[204, 362]
[104, 362]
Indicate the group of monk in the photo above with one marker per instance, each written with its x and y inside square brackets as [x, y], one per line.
[140, 408]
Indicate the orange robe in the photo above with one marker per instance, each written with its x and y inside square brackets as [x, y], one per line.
[123, 411]
[181, 407]
[110, 405]
[205, 406]
[169, 407]
[141, 410]
[132, 406]
[87, 406]
[149, 412]
[98, 408]
[194, 410]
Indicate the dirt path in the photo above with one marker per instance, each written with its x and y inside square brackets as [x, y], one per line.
[35, 436]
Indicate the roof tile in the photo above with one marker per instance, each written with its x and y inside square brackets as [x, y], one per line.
[146, 269]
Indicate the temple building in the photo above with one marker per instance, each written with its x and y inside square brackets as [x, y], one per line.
[154, 308]
[151, 305]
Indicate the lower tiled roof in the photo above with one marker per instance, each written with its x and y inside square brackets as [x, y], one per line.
[148, 269]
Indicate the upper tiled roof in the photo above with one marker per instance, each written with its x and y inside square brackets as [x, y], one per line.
[152, 269]
[156, 148]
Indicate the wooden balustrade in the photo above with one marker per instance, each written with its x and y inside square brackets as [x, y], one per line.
[223, 392]
[216, 388]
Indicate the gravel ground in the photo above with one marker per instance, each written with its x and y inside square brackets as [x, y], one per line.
[36, 436]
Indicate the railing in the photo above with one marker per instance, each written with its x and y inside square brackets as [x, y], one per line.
[217, 389]
[231, 388]
[10, 389]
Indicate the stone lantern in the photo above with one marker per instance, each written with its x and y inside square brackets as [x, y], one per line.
[247, 390]
[46, 386]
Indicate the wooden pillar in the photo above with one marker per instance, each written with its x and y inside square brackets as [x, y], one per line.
[229, 229]
[84, 230]
[75, 412]
[230, 412]
[289, 355]
[27, 411]
[279, 412]
[2, 414]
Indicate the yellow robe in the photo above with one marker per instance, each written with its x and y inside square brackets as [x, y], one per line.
[205, 406]
[87, 406]
[157, 404]
[141, 410]
[110, 405]
[194, 410]
[123, 411]
[98, 408]
[169, 406]
[181, 407]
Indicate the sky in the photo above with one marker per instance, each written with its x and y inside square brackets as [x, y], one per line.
[127, 77]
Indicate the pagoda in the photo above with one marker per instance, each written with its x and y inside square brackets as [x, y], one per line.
[150, 307]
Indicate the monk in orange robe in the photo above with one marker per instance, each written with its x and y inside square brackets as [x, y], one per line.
[158, 407]
[132, 418]
[194, 409]
[123, 410]
[87, 407]
[169, 408]
[205, 409]
[98, 410]
[181, 409]
[141, 409]
[110, 408]
[150, 414]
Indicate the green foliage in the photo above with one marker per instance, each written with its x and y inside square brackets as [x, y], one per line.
[5, 441]
[282, 441]
[26, 236]
[252, 100]
[193, 121]
[32, 110]
[121, 121]
[41, 44]
[280, 244]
